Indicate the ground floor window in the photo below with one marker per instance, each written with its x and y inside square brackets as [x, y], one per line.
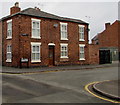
[9, 54]
[35, 52]
[64, 50]
[81, 52]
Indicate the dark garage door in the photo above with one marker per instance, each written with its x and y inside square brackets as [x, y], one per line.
[104, 56]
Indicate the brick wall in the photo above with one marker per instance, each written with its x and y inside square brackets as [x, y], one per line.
[93, 54]
[21, 47]
[109, 37]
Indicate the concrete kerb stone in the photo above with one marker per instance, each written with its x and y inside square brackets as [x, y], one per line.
[111, 96]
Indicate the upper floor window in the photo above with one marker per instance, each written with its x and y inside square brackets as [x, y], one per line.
[35, 28]
[9, 54]
[82, 52]
[64, 50]
[63, 29]
[81, 33]
[9, 29]
[35, 52]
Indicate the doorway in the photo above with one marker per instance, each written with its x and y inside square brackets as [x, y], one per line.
[104, 56]
[51, 55]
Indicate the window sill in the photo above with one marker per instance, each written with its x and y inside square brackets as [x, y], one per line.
[82, 59]
[8, 60]
[81, 40]
[64, 39]
[36, 37]
[9, 38]
[64, 57]
[37, 61]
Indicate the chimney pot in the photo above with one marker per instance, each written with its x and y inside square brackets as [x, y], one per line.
[15, 8]
[17, 4]
[36, 8]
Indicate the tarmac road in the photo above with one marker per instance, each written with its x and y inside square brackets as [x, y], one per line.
[55, 87]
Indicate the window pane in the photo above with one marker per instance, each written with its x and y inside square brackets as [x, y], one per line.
[81, 49]
[33, 49]
[65, 53]
[33, 56]
[37, 25]
[37, 48]
[37, 56]
[33, 24]
[37, 32]
[82, 55]
[65, 34]
[33, 32]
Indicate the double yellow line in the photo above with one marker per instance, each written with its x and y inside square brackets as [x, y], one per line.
[86, 88]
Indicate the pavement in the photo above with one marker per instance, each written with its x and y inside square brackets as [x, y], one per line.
[108, 89]
[13, 70]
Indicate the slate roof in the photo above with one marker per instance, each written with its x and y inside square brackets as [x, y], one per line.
[38, 13]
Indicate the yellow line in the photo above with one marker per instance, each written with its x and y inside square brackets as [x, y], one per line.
[86, 88]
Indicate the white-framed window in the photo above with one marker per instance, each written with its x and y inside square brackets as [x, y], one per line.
[81, 51]
[36, 28]
[9, 29]
[81, 32]
[63, 30]
[35, 52]
[9, 53]
[64, 50]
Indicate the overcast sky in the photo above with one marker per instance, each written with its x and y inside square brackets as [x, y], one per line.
[95, 12]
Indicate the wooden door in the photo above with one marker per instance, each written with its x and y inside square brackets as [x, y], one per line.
[51, 55]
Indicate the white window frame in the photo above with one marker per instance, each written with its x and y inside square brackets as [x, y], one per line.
[63, 31]
[34, 36]
[9, 29]
[81, 52]
[9, 52]
[36, 44]
[65, 45]
[81, 33]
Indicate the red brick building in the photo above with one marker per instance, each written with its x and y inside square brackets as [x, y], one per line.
[32, 37]
[108, 43]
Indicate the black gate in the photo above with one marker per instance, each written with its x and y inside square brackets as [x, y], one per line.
[104, 56]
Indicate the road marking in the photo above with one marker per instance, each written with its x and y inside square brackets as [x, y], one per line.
[86, 88]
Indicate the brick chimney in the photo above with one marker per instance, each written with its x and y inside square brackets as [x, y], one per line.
[15, 8]
[107, 25]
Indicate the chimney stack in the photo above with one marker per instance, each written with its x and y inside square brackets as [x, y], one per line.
[15, 8]
[107, 25]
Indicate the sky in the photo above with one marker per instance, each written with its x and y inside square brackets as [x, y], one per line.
[95, 12]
